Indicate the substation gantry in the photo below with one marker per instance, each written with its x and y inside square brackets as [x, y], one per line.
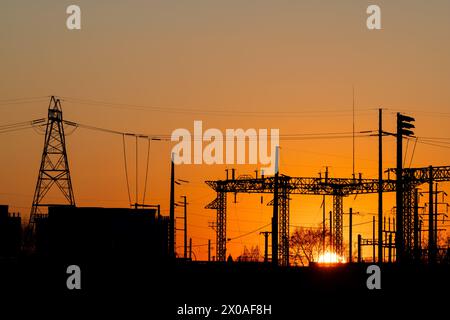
[336, 187]
[407, 224]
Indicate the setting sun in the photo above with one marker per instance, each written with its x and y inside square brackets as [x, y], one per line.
[331, 257]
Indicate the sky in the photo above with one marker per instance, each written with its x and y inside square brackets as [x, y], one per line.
[155, 66]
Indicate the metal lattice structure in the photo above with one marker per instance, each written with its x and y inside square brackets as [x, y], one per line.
[219, 204]
[54, 169]
[412, 178]
[336, 187]
[338, 215]
[283, 226]
[408, 217]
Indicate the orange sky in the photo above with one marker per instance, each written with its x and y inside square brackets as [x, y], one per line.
[297, 57]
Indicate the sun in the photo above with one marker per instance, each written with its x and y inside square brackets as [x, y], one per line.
[331, 257]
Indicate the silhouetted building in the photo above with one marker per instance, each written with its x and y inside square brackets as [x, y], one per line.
[10, 233]
[95, 233]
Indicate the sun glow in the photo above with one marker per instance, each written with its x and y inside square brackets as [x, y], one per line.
[331, 257]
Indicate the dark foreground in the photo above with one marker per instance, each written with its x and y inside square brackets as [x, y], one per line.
[145, 291]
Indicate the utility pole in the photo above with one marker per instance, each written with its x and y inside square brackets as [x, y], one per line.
[373, 238]
[185, 225]
[209, 249]
[172, 209]
[266, 245]
[431, 244]
[350, 253]
[403, 126]
[190, 248]
[436, 213]
[390, 248]
[324, 226]
[359, 248]
[380, 184]
[331, 231]
[275, 212]
[137, 173]
[416, 226]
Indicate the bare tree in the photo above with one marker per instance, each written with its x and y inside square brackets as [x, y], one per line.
[306, 245]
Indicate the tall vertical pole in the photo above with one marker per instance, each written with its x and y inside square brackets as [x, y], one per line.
[420, 234]
[384, 240]
[390, 248]
[350, 249]
[399, 241]
[373, 238]
[266, 245]
[172, 209]
[359, 248]
[416, 226]
[353, 131]
[436, 202]
[380, 185]
[431, 252]
[137, 167]
[331, 232]
[209, 249]
[190, 248]
[324, 227]
[185, 225]
[275, 212]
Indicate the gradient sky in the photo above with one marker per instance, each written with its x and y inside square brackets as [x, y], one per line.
[300, 58]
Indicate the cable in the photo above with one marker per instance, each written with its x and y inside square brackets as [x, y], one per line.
[248, 233]
[16, 129]
[406, 152]
[165, 137]
[39, 129]
[126, 168]
[21, 125]
[414, 149]
[7, 126]
[7, 102]
[208, 111]
[29, 98]
[434, 144]
[146, 172]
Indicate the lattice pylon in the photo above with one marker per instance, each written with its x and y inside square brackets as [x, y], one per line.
[54, 169]
[283, 228]
[338, 210]
[220, 204]
[408, 220]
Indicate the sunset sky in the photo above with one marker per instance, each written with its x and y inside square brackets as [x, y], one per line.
[154, 66]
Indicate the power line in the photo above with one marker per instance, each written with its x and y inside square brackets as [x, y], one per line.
[248, 233]
[209, 110]
[146, 172]
[126, 168]
[26, 98]
[6, 102]
[22, 125]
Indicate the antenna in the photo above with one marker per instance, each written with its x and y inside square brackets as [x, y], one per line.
[353, 129]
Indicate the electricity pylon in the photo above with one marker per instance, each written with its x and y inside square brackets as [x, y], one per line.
[54, 168]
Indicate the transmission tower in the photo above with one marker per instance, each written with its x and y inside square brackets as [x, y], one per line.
[54, 169]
